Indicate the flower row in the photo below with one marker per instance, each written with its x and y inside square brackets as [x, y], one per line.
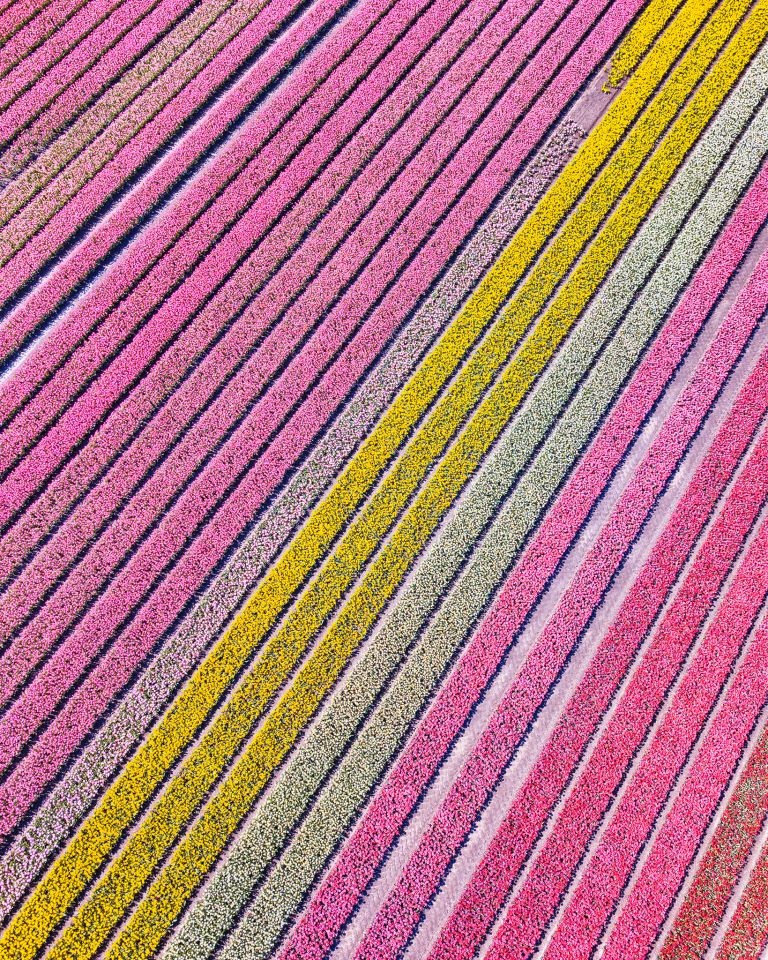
[332, 815]
[51, 749]
[168, 174]
[124, 35]
[220, 603]
[427, 878]
[230, 405]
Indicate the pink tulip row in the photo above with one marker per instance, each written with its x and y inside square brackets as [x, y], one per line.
[194, 396]
[238, 346]
[485, 894]
[52, 748]
[235, 399]
[76, 34]
[42, 302]
[18, 29]
[654, 892]
[139, 708]
[352, 76]
[591, 797]
[737, 831]
[339, 894]
[79, 185]
[39, 114]
[55, 47]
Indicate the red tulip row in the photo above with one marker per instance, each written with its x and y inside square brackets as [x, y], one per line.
[747, 933]
[655, 890]
[737, 831]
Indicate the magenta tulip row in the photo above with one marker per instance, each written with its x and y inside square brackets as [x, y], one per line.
[222, 415]
[43, 301]
[381, 824]
[125, 305]
[32, 67]
[55, 213]
[241, 340]
[22, 30]
[96, 628]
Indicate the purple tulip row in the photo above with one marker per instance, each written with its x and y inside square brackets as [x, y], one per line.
[22, 32]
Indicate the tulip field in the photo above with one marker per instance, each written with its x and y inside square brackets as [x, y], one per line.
[384, 479]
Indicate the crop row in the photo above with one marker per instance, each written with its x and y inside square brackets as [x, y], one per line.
[76, 39]
[535, 904]
[402, 630]
[205, 623]
[298, 160]
[121, 99]
[220, 120]
[220, 418]
[235, 510]
[127, 872]
[34, 119]
[23, 32]
[747, 933]
[654, 892]
[123, 664]
[653, 19]
[28, 56]
[457, 814]
[132, 867]
[212, 761]
[737, 831]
